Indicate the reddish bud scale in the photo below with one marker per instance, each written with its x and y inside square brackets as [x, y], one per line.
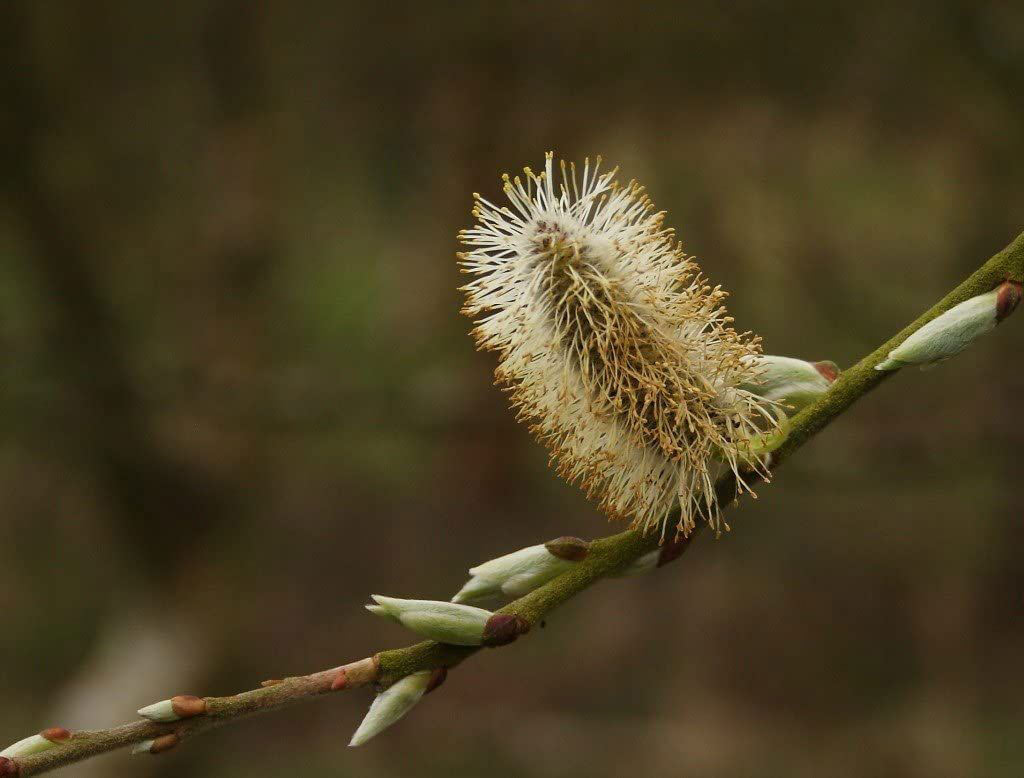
[188, 705]
[56, 734]
[1008, 298]
[503, 628]
[436, 679]
[8, 766]
[828, 369]
[164, 743]
[339, 682]
[568, 548]
[673, 550]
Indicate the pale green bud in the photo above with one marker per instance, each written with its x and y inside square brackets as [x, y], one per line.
[180, 707]
[792, 382]
[642, 564]
[162, 711]
[477, 589]
[157, 745]
[34, 744]
[390, 705]
[947, 335]
[445, 622]
[522, 571]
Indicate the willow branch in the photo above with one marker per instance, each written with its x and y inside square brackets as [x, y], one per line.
[606, 556]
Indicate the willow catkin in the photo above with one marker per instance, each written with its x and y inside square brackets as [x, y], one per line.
[614, 348]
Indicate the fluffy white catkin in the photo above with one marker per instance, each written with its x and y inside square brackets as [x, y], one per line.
[614, 348]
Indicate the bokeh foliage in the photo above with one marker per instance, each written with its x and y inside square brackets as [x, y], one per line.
[236, 387]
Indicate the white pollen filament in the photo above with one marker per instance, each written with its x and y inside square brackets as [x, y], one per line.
[614, 348]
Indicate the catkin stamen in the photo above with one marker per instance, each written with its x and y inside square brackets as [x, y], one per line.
[612, 345]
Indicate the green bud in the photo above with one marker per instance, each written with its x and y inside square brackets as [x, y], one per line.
[477, 589]
[445, 622]
[947, 335]
[33, 744]
[522, 571]
[391, 704]
[162, 711]
[182, 706]
[793, 382]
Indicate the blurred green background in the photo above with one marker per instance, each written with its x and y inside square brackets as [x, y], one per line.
[237, 396]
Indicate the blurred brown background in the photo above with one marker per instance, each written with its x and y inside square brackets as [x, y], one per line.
[237, 395]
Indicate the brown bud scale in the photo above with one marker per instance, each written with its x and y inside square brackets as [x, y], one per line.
[188, 705]
[56, 734]
[828, 369]
[1008, 298]
[569, 548]
[674, 549]
[436, 679]
[503, 628]
[164, 743]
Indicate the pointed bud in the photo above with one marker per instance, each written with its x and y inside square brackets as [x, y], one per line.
[34, 744]
[445, 622]
[159, 711]
[143, 747]
[391, 704]
[792, 382]
[522, 571]
[183, 706]
[162, 712]
[7, 767]
[947, 335]
[503, 628]
[477, 590]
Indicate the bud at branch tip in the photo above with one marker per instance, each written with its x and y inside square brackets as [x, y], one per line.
[950, 333]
